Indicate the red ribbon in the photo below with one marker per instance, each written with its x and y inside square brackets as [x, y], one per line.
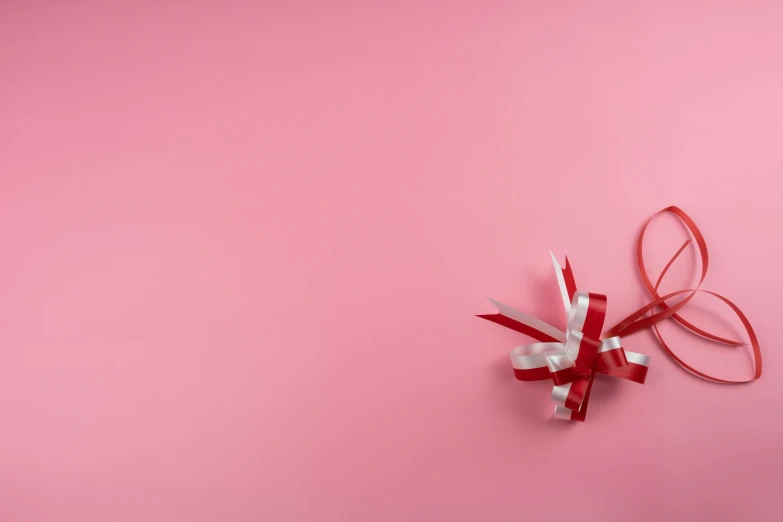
[583, 351]
[638, 320]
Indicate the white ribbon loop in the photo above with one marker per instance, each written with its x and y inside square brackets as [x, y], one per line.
[534, 355]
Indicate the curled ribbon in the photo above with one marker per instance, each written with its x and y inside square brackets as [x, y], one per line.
[573, 358]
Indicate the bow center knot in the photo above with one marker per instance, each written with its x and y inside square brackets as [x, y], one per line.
[580, 368]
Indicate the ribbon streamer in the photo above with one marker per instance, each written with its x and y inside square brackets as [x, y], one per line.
[573, 358]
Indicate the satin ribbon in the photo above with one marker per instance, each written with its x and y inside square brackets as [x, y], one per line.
[573, 358]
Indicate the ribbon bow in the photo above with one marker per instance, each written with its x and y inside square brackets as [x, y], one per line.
[571, 358]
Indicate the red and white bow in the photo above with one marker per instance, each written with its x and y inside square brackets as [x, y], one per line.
[571, 358]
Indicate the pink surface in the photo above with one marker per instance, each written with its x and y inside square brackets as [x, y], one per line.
[241, 250]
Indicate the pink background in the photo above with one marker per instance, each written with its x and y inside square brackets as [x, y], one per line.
[241, 247]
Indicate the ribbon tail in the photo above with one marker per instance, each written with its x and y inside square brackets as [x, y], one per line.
[524, 323]
[565, 281]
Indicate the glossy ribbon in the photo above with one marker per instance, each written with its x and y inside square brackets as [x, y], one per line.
[573, 358]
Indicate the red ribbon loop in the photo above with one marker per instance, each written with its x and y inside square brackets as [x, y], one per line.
[639, 320]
